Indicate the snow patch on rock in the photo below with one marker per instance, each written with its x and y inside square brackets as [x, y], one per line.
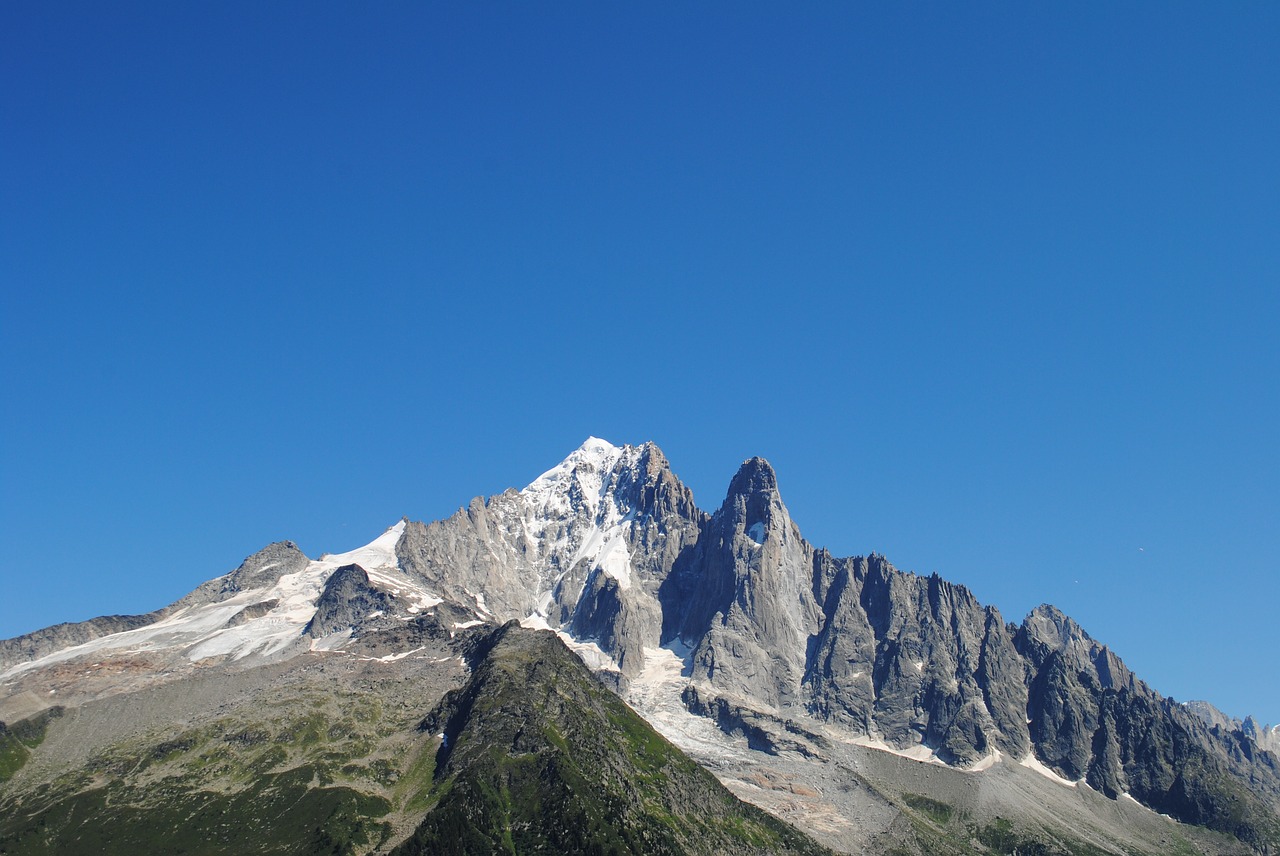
[657, 694]
[1031, 762]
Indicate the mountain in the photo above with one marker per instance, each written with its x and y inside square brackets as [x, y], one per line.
[881, 710]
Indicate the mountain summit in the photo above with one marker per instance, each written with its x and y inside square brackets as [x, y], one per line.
[881, 709]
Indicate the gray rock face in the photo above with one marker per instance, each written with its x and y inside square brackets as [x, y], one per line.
[252, 611]
[349, 601]
[1265, 737]
[1212, 716]
[752, 608]
[610, 548]
[917, 660]
[261, 570]
[853, 641]
[586, 548]
[1070, 672]
[1093, 720]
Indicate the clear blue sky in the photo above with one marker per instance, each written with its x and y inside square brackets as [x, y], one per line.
[994, 286]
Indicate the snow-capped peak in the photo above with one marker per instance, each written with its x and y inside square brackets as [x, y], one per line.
[594, 454]
[574, 511]
[578, 482]
[378, 553]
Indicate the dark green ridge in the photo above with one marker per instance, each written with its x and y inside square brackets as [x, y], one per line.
[539, 757]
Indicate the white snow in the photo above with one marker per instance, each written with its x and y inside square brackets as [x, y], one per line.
[592, 458]
[1031, 762]
[536, 621]
[391, 658]
[200, 632]
[656, 694]
[919, 752]
[590, 653]
[378, 558]
[570, 515]
[605, 547]
[986, 762]
[1130, 797]
[298, 594]
[924, 754]
[377, 554]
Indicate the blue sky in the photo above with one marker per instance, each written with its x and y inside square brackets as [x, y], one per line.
[993, 286]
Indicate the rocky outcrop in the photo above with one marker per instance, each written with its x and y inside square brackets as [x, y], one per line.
[917, 660]
[252, 611]
[348, 602]
[261, 570]
[856, 642]
[610, 548]
[752, 608]
[1093, 720]
[1265, 737]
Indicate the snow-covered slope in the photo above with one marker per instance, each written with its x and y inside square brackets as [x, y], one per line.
[262, 622]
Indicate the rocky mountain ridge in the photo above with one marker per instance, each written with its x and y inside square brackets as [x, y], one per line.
[728, 619]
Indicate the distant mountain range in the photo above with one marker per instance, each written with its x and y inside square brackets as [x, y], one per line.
[417, 696]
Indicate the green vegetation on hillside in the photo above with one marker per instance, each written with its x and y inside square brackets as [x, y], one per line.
[538, 757]
[289, 780]
[277, 814]
[17, 740]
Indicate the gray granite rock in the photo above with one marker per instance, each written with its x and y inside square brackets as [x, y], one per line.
[348, 602]
[539, 552]
[1093, 720]
[261, 570]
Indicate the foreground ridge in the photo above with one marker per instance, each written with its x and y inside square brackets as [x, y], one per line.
[537, 756]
